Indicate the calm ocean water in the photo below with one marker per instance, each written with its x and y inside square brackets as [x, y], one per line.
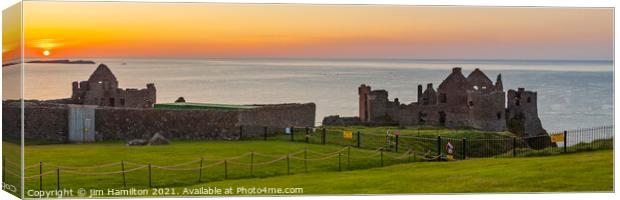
[571, 94]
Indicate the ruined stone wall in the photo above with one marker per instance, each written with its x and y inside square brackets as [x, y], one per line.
[522, 113]
[336, 120]
[276, 117]
[41, 123]
[50, 122]
[486, 110]
[134, 123]
[11, 121]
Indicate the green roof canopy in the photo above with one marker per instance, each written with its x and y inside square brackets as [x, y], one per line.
[202, 106]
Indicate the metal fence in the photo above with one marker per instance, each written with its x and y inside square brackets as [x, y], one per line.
[462, 148]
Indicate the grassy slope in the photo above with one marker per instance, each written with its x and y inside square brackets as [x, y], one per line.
[589, 171]
[180, 152]
[425, 131]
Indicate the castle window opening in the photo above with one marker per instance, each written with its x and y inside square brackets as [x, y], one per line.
[499, 115]
[471, 103]
[112, 102]
[122, 102]
[475, 87]
[529, 99]
[442, 98]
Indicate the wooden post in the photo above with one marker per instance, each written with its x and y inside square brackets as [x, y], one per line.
[40, 176]
[123, 171]
[438, 148]
[323, 136]
[252, 164]
[463, 148]
[225, 169]
[307, 132]
[200, 170]
[339, 167]
[292, 134]
[150, 182]
[565, 140]
[57, 179]
[396, 141]
[358, 139]
[265, 133]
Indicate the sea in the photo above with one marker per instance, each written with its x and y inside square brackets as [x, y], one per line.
[571, 94]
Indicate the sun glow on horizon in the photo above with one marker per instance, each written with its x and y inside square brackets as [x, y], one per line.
[204, 30]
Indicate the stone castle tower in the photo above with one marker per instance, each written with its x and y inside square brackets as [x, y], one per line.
[522, 113]
[459, 101]
[102, 89]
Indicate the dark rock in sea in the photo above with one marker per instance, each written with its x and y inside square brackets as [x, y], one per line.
[62, 61]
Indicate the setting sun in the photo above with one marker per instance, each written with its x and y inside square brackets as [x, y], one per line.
[46, 53]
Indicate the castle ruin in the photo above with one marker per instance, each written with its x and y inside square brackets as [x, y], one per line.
[459, 101]
[102, 89]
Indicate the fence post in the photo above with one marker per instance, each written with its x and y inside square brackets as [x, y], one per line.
[307, 131]
[396, 141]
[288, 165]
[339, 167]
[58, 179]
[150, 183]
[306, 160]
[225, 169]
[438, 148]
[240, 132]
[358, 139]
[381, 157]
[292, 133]
[514, 147]
[40, 176]
[123, 170]
[323, 136]
[565, 140]
[252, 164]
[200, 170]
[463, 152]
[265, 133]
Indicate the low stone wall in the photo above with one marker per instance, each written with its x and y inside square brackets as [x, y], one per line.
[134, 123]
[50, 122]
[276, 117]
[42, 123]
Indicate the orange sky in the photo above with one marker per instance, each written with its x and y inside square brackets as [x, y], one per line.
[191, 30]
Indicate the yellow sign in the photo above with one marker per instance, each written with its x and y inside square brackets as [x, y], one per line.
[557, 137]
[347, 134]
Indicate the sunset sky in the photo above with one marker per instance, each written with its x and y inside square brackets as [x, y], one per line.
[207, 30]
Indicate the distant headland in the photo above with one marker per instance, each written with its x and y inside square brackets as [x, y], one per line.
[62, 61]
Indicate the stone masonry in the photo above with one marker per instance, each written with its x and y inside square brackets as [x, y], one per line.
[102, 89]
[473, 101]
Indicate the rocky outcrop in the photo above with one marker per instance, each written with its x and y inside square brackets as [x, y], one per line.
[158, 139]
[137, 142]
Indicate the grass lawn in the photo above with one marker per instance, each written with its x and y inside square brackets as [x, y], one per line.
[180, 152]
[586, 171]
[419, 138]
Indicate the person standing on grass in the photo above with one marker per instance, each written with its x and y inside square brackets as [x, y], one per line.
[449, 150]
